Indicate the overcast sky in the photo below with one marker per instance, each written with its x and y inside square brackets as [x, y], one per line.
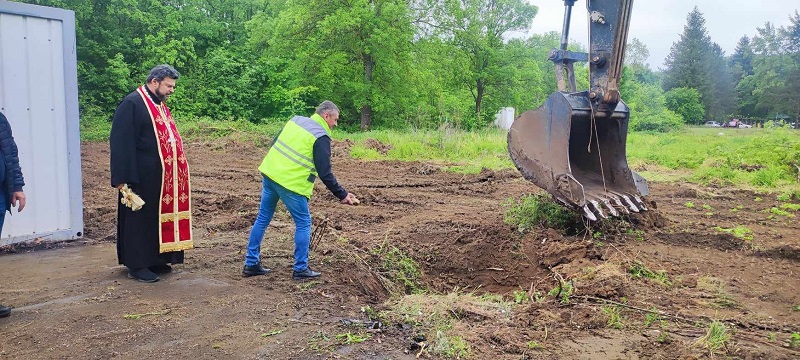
[659, 23]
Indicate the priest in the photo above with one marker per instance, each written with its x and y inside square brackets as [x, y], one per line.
[149, 167]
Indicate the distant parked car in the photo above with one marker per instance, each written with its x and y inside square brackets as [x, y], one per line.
[745, 126]
[712, 124]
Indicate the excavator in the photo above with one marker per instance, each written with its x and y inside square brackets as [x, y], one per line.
[573, 146]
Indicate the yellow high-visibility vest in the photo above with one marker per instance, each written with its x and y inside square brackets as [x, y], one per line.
[290, 161]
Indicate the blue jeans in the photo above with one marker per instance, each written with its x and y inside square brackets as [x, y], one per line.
[298, 207]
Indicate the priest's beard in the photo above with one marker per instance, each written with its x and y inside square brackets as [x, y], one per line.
[160, 95]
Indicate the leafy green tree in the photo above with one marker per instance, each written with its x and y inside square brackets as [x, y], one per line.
[686, 103]
[773, 87]
[356, 52]
[477, 28]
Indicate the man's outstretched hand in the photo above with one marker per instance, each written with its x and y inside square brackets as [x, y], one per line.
[350, 199]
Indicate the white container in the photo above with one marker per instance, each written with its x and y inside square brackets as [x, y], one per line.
[39, 96]
[504, 118]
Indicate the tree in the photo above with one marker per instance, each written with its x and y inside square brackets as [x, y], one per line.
[686, 103]
[695, 62]
[355, 51]
[774, 87]
[477, 28]
[790, 93]
[742, 59]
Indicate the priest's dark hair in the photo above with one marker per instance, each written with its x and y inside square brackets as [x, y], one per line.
[327, 106]
[163, 71]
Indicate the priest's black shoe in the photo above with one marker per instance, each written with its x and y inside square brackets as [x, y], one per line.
[4, 311]
[305, 274]
[253, 270]
[143, 275]
[161, 269]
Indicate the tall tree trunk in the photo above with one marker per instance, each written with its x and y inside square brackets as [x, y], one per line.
[479, 90]
[366, 109]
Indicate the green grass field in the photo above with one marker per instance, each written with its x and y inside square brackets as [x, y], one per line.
[761, 159]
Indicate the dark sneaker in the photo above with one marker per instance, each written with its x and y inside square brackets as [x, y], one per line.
[143, 275]
[305, 274]
[4, 311]
[253, 270]
[161, 269]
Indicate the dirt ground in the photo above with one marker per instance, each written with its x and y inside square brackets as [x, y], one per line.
[73, 301]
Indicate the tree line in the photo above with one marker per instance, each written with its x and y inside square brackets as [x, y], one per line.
[402, 63]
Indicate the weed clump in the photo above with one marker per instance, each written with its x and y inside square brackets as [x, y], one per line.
[716, 337]
[401, 269]
[794, 340]
[740, 232]
[538, 210]
[639, 270]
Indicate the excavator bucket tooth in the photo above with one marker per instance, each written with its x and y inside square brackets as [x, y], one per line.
[610, 207]
[577, 154]
[588, 213]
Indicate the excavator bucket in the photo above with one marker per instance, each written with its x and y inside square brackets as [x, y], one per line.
[577, 154]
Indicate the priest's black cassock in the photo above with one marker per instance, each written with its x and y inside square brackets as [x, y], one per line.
[135, 161]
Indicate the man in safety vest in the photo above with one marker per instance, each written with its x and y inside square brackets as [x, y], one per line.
[299, 154]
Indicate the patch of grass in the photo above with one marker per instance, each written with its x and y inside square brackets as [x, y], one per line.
[464, 151]
[796, 308]
[521, 297]
[533, 345]
[639, 270]
[780, 212]
[707, 207]
[772, 336]
[664, 338]
[638, 235]
[794, 340]
[792, 207]
[399, 268]
[716, 337]
[784, 197]
[741, 232]
[562, 292]
[453, 346]
[538, 210]
[350, 338]
[758, 199]
[614, 316]
[689, 204]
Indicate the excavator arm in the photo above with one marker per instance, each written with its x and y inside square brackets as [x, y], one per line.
[573, 146]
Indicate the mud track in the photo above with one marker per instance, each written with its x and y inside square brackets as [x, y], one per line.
[73, 301]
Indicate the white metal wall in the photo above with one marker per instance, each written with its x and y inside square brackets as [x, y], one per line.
[38, 95]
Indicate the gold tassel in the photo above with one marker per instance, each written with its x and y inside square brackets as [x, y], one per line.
[130, 199]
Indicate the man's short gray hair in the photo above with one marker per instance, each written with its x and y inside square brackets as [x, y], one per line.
[163, 71]
[327, 106]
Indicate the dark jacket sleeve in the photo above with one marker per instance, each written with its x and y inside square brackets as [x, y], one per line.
[13, 179]
[322, 162]
[123, 145]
